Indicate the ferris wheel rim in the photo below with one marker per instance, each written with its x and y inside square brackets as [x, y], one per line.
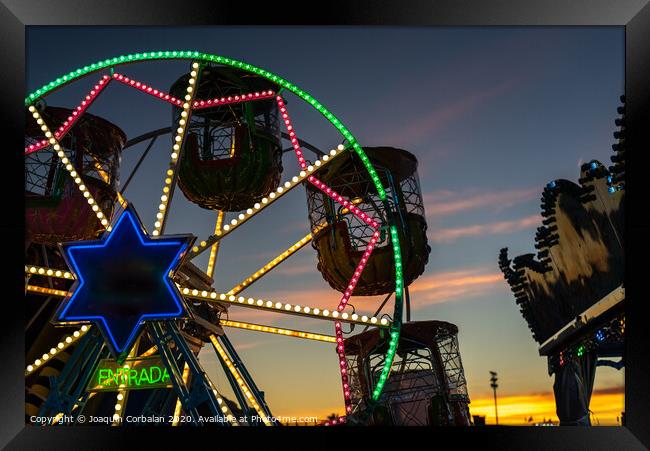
[195, 56]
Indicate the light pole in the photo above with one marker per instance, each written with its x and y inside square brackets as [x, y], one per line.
[493, 384]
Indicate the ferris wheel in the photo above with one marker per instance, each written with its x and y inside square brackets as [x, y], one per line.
[118, 311]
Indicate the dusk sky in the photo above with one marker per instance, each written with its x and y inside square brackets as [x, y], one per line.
[492, 114]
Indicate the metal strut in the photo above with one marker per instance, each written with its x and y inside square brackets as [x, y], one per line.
[165, 334]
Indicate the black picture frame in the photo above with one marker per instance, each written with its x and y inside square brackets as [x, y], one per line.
[634, 15]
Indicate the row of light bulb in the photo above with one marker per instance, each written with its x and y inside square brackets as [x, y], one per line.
[179, 405]
[278, 331]
[61, 346]
[272, 264]
[340, 347]
[261, 304]
[200, 104]
[122, 394]
[46, 290]
[265, 201]
[215, 247]
[344, 202]
[223, 406]
[292, 134]
[335, 421]
[105, 177]
[343, 368]
[76, 114]
[357, 272]
[240, 381]
[42, 271]
[120, 401]
[395, 328]
[148, 89]
[196, 104]
[68, 166]
[176, 149]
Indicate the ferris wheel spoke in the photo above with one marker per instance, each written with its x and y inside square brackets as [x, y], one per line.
[72, 119]
[49, 272]
[281, 258]
[240, 380]
[265, 202]
[46, 291]
[147, 89]
[69, 167]
[273, 263]
[151, 351]
[214, 249]
[283, 308]
[246, 97]
[171, 175]
[106, 179]
[278, 331]
[64, 344]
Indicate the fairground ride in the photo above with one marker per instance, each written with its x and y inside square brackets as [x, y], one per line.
[117, 312]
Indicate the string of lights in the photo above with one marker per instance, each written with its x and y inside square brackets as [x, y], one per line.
[69, 167]
[161, 216]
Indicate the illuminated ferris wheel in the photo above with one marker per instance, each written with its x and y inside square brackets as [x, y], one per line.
[118, 311]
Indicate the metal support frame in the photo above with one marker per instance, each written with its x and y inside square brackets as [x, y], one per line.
[158, 401]
[69, 388]
[165, 333]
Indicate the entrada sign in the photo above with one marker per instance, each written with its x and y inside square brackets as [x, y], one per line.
[133, 374]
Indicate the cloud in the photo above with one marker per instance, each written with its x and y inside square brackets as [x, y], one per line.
[448, 235]
[443, 203]
[452, 285]
[439, 118]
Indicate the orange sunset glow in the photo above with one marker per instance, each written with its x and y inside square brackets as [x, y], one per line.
[515, 410]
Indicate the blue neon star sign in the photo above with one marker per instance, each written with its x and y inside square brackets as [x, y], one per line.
[124, 279]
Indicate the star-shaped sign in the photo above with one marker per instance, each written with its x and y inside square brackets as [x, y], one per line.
[123, 280]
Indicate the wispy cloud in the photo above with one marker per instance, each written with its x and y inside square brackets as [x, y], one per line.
[448, 235]
[428, 124]
[454, 285]
[443, 203]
